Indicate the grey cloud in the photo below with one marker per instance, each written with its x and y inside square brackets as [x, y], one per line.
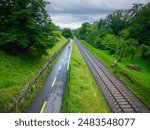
[73, 9]
[71, 13]
[74, 21]
[89, 6]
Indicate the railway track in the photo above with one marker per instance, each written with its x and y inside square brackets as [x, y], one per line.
[118, 97]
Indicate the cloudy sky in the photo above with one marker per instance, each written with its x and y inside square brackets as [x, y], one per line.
[72, 13]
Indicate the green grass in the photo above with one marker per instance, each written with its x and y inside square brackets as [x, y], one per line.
[137, 81]
[15, 71]
[37, 88]
[82, 94]
[57, 46]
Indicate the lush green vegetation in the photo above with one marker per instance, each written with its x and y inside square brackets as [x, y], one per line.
[66, 32]
[16, 70]
[82, 94]
[137, 81]
[28, 38]
[38, 86]
[124, 32]
[26, 26]
[122, 42]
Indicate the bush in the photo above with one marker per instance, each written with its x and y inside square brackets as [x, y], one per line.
[110, 42]
[145, 52]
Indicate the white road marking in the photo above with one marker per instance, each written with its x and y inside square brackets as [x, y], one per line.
[54, 81]
[59, 67]
[68, 63]
[68, 66]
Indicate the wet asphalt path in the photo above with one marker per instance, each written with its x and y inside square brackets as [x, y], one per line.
[49, 99]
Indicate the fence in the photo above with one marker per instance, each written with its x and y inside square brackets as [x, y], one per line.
[19, 98]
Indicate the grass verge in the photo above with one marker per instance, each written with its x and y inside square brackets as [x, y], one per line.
[82, 94]
[16, 70]
[137, 81]
[37, 87]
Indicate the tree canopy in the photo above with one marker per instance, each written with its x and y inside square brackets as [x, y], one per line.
[26, 25]
[66, 32]
[122, 32]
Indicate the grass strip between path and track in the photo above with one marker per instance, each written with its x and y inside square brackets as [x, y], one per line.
[137, 81]
[17, 70]
[82, 94]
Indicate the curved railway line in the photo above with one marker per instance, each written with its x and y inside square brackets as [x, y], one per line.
[118, 97]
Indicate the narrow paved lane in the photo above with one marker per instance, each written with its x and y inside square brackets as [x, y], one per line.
[49, 99]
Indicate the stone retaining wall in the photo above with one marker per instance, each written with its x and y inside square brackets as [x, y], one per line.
[18, 99]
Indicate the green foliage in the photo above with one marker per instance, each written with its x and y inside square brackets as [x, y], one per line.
[84, 30]
[137, 81]
[140, 25]
[98, 43]
[121, 32]
[117, 21]
[133, 47]
[145, 52]
[110, 39]
[93, 33]
[124, 33]
[26, 25]
[66, 32]
[109, 42]
[83, 94]
[17, 70]
[134, 10]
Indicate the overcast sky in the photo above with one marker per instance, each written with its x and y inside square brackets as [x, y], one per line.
[72, 13]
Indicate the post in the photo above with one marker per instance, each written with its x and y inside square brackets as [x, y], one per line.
[115, 66]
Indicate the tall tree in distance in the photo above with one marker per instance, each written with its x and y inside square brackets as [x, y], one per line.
[134, 10]
[140, 25]
[66, 32]
[117, 21]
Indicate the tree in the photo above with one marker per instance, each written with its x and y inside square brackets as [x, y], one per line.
[134, 10]
[122, 48]
[110, 41]
[121, 32]
[26, 25]
[66, 32]
[145, 52]
[133, 46]
[117, 21]
[140, 25]
[84, 30]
